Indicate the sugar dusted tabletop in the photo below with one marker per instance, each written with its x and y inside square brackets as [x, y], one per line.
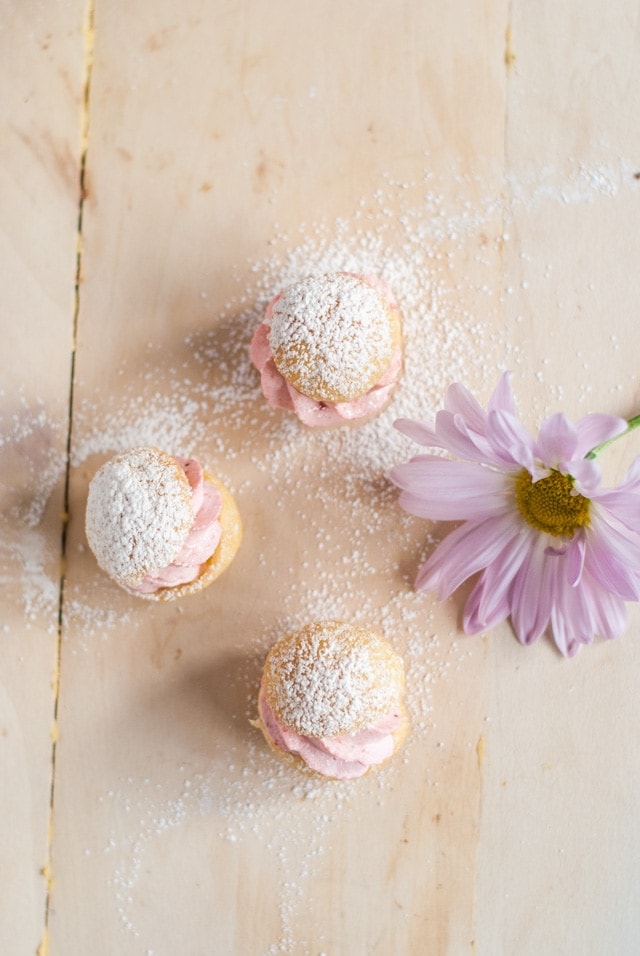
[166, 169]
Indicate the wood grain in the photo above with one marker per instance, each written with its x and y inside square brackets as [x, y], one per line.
[482, 156]
[41, 55]
[558, 833]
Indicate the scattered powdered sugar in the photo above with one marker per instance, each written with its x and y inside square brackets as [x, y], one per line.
[256, 804]
[88, 620]
[417, 236]
[434, 260]
[32, 464]
[577, 183]
[32, 459]
[172, 419]
[35, 586]
[437, 253]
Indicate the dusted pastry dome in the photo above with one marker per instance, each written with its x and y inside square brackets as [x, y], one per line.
[160, 526]
[333, 336]
[332, 699]
[329, 348]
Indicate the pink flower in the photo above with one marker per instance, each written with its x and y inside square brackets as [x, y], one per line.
[552, 547]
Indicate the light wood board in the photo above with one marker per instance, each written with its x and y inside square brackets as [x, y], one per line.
[165, 169]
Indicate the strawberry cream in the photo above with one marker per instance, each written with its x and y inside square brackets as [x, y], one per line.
[202, 540]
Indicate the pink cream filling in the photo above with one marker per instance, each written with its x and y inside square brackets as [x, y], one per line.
[342, 757]
[279, 394]
[202, 541]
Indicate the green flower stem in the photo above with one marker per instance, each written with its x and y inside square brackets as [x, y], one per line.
[631, 424]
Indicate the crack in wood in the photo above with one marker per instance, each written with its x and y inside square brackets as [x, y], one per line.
[88, 33]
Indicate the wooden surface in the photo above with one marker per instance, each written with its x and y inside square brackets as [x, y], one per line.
[165, 168]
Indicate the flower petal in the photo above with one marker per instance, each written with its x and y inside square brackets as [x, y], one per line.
[459, 401]
[461, 441]
[612, 558]
[533, 592]
[624, 506]
[470, 548]
[594, 429]
[477, 615]
[490, 601]
[449, 490]
[421, 432]
[571, 624]
[581, 613]
[632, 479]
[586, 473]
[510, 440]
[575, 553]
[608, 612]
[557, 440]
[502, 399]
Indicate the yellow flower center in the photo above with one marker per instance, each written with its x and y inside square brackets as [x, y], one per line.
[551, 505]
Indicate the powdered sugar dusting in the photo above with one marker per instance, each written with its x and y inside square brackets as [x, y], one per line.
[438, 254]
[331, 336]
[332, 678]
[31, 458]
[32, 463]
[414, 234]
[34, 558]
[138, 513]
[333, 482]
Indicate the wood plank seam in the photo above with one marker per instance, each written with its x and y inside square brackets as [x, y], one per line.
[88, 32]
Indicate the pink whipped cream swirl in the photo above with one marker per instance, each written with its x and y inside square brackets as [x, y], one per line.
[202, 541]
[280, 394]
[344, 757]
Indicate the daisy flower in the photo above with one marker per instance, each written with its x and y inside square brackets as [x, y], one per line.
[553, 548]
